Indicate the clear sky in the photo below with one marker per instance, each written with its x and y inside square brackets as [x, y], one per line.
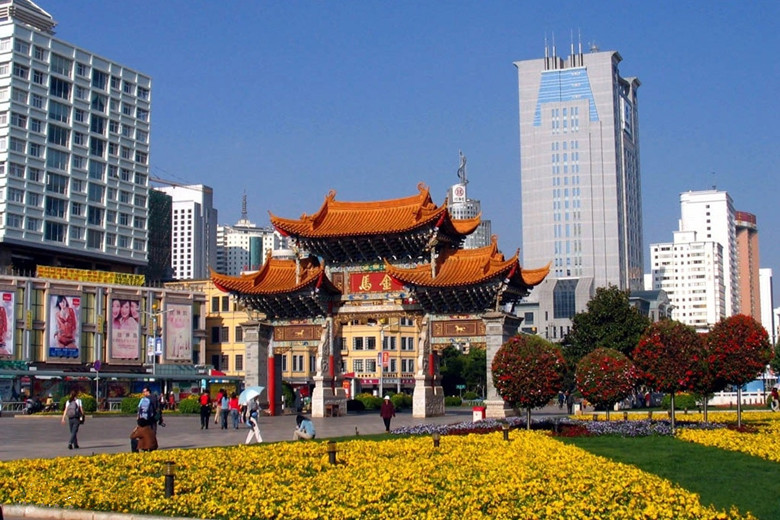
[287, 100]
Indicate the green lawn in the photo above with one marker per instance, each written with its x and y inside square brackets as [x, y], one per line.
[721, 478]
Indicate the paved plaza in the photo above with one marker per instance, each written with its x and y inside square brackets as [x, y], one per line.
[42, 436]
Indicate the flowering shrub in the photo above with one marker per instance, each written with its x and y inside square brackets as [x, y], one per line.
[605, 376]
[471, 477]
[527, 371]
[667, 354]
[739, 349]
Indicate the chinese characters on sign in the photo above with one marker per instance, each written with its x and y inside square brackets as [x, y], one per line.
[373, 282]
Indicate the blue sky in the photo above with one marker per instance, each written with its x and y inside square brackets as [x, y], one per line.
[287, 100]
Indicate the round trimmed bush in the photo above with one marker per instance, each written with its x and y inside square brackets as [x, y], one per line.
[130, 404]
[369, 401]
[470, 396]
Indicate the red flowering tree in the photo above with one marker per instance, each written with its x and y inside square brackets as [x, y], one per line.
[528, 372]
[668, 356]
[739, 350]
[606, 376]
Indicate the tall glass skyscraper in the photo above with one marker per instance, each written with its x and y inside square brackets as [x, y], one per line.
[579, 171]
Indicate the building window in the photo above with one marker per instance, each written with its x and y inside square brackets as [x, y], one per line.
[60, 65]
[297, 363]
[239, 362]
[239, 334]
[33, 224]
[39, 77]
[225, 303]
[36, 125]
[370, 343]
[97, 147]
[35, 150]
[13, 220]
[21, 71]
[82, 70]
[39, 53]
[564, 299]
[79, 115]
[95, 193]
[357, 343]
[54, 232]
[76, 209]
[59, 88]
[59, 135]
[19, 95]
[15, 195]
[407, 343]
[357, 365]
[215, 304]
[94, 216]
[94, 239]
[57, 159]
[99, 79]
[22, 47]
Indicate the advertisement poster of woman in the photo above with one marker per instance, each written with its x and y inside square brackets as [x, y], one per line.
[7, 324]
[178, 333]
[64, 325]
[125, 330]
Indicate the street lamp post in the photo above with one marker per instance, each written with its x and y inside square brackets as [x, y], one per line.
[379, 358]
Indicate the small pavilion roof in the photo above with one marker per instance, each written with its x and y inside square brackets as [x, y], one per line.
[277, 276]
[463, 267]
[375, 218]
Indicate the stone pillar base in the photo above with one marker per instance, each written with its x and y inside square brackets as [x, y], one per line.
[498, 410]
[324, 396]
[428, 399]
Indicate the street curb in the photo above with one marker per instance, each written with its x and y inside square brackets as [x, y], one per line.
[49, 513]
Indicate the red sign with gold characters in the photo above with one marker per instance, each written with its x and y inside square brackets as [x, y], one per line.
[373, 282]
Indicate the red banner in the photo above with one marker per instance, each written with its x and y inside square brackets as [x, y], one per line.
[373, 282]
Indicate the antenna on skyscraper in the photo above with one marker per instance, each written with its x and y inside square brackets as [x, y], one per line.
[714, 186]
[243, 207]
[594, 47]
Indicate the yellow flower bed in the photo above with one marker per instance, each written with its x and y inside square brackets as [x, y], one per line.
[764, 444]
[468, 477]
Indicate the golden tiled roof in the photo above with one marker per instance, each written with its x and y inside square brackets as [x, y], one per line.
[276, 276]
[462, 267]
[336, 218]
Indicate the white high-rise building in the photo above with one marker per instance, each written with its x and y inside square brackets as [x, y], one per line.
[244, 246]
[580, 180]
[710, 214]
[74, 150]
[691, 273]
[767, 303]
[462, 207]
[193, 231]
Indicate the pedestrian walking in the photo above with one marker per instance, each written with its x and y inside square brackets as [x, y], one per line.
[224, 410]
[73, 412]
[233, 407]
[254, 424]
[205, 409]
[387, 412]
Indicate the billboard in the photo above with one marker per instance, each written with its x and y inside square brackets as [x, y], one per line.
[7, 323]
[125, 329]
[178, 332]
[64, 327]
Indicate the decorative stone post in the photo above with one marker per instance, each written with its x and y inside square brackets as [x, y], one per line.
[428, 398]
[499, 327]
[263, 368]
[325, 399]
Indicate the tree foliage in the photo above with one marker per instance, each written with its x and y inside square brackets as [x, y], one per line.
[527, 371]
[609, 321]
[739, 349]
[605, 377]
[670, 356]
